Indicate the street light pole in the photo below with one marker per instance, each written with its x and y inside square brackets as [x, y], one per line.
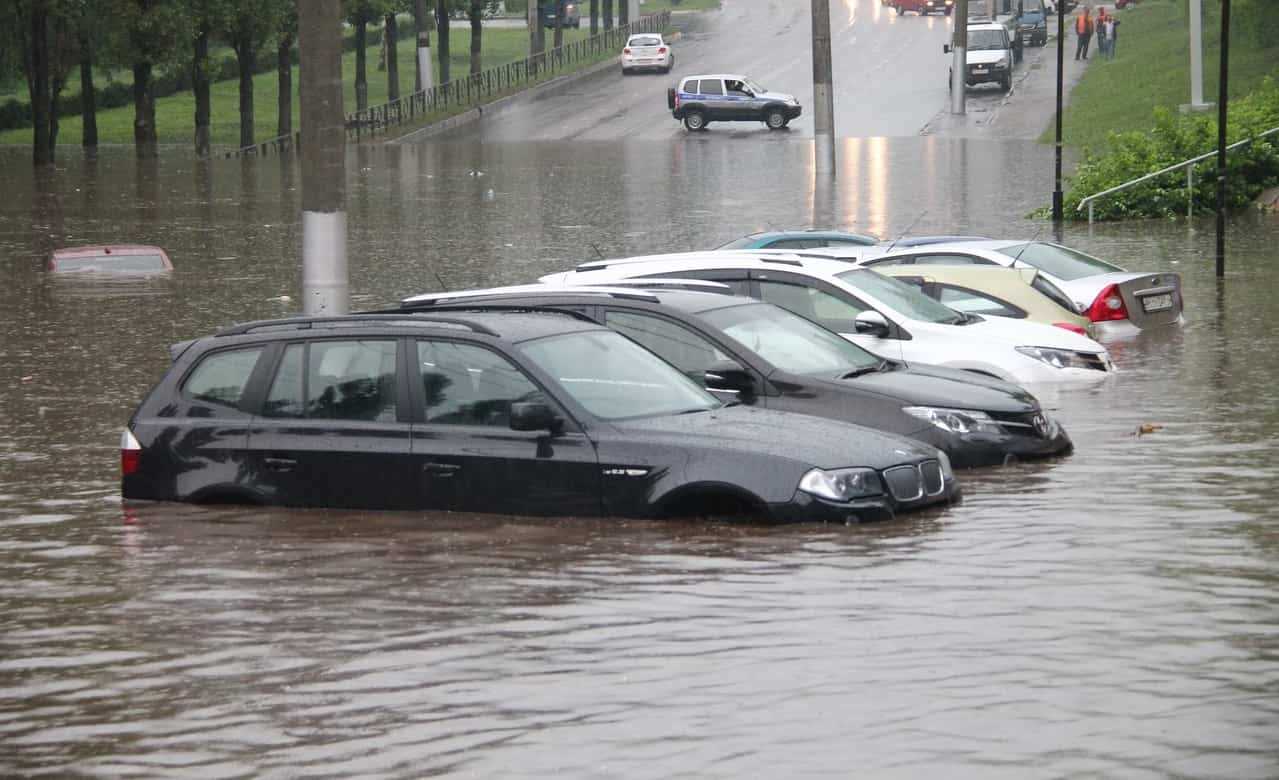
[823, 92]
[959, 65]
[325, 285]
[1061, 59]
[1223, 98]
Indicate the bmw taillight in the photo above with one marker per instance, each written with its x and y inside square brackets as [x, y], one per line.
[1072, 327]
[130, 453]
[1108, 306]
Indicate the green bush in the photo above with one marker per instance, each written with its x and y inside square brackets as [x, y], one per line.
[1176, 137]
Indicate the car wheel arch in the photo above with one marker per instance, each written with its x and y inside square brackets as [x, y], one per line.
[227, 494]
[700, 499]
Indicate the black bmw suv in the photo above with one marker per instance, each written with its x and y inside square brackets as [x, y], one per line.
[520, 413]
[764, 355]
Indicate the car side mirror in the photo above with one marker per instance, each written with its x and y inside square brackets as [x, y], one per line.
[871, 323]
[729, 375]
[534, 416]
[945, 47]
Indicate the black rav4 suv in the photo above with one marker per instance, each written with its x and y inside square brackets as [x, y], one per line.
[494, 412]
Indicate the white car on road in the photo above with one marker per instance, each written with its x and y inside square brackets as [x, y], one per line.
[1118, 302]
[883, 315]
[647, 51]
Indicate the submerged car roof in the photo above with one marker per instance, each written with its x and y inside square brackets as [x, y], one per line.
[691, 301]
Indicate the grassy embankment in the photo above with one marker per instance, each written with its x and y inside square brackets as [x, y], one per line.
[175, 114]
[1151, 69]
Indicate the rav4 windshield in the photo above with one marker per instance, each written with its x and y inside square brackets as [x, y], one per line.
[901, 297]
[789, 341]
[614, 378]
[1063, 263]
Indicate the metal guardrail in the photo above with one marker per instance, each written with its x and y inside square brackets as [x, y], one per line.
[1189, 165]
[477, 88]
[280, 144]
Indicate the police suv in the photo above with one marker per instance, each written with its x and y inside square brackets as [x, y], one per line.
[700, 100]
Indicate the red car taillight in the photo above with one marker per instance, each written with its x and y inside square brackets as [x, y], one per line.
[1108, 307]
[662, 50]
[626, 50]
[1072, 327]
[130, 454]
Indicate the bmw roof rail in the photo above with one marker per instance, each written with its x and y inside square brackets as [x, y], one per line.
[448, 299]
[308, 323]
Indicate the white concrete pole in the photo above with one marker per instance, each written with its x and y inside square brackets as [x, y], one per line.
[959, 62]
[634, 10]
[1196, 54]
[823, 91]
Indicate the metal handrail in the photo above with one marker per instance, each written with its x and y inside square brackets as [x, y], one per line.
[1190, 176]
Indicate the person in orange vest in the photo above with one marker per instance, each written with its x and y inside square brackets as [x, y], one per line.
[1083, 31]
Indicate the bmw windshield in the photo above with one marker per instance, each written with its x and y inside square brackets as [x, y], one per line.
[901, 297]
[614, 378]
[791, 342]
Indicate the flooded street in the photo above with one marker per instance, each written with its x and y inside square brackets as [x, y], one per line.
[1115, 613]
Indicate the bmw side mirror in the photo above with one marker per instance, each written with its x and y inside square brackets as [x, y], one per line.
[534, 416]
[871, 323]
[945, 47]
[729, 375]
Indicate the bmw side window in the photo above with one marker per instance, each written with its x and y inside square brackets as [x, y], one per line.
[817, 305]
[285, 397]
[351, 380]
[686, 350]
[469, 385]
[221, 377]
[973, 302]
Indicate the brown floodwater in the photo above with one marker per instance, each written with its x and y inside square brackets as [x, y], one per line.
[1115, 613]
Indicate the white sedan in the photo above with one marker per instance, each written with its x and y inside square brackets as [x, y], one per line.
[887, 317]
[647, 51]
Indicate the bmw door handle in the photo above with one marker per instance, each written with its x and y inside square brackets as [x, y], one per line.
[280, 464]
[441, 469]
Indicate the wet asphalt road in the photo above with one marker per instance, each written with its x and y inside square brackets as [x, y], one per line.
[889, 72]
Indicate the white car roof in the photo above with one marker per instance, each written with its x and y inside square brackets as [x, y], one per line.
[645, 35]
[986, 26]
[736, 76]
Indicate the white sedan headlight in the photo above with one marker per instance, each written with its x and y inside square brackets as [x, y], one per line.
[1057, 358]
[955, 420]
[842, 484]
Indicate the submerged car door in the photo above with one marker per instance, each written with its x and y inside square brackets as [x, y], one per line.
[334, 429]
[825, 304]
[466, 456]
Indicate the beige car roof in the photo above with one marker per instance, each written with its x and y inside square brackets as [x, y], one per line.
[1007, 284]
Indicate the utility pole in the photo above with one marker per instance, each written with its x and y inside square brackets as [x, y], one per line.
[1223, 99]
[424, 78]
[1061, 59]
[959, 64]
[325, 280]
[823, 91]
[1196, 55]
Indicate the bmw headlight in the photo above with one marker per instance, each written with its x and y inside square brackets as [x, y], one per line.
[1057, 358]
[955, 420]
[842, 484]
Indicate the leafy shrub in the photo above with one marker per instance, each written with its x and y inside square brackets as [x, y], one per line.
[1174, 138]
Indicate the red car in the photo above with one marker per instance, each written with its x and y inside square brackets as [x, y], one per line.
[922, 7]
[113, 258]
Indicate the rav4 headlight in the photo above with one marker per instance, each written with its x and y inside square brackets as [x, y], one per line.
[955, 420]
[842, 484]
[1057, 358]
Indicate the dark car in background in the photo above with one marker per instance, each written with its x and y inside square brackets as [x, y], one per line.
[572, 14]
[532, 414]
[763, 355]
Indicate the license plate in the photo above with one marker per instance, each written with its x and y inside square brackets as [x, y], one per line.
[980, 71]
[1156, 302]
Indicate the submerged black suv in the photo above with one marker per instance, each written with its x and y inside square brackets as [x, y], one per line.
[520, 413]
[765, 355]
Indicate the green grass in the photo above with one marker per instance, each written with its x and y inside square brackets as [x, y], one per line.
[1152, 69]
[175, 114]
[654, 6]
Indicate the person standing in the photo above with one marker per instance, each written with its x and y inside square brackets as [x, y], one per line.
[1083, 31]
[1100, 26]
[1112, 35]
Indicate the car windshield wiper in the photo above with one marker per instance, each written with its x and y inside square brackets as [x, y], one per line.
[856, 372]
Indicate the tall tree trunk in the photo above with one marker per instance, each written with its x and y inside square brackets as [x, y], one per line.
[392, 36]
[559, 24]
[477, 31]
[608, 14]
[623, 12]
[284, 69]
[200, 86]
[37, 67]
[595, 16]
[361, 64]
[88, 98]
[145, 141]
[244, 51]
[442, 37]
[55, 92]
